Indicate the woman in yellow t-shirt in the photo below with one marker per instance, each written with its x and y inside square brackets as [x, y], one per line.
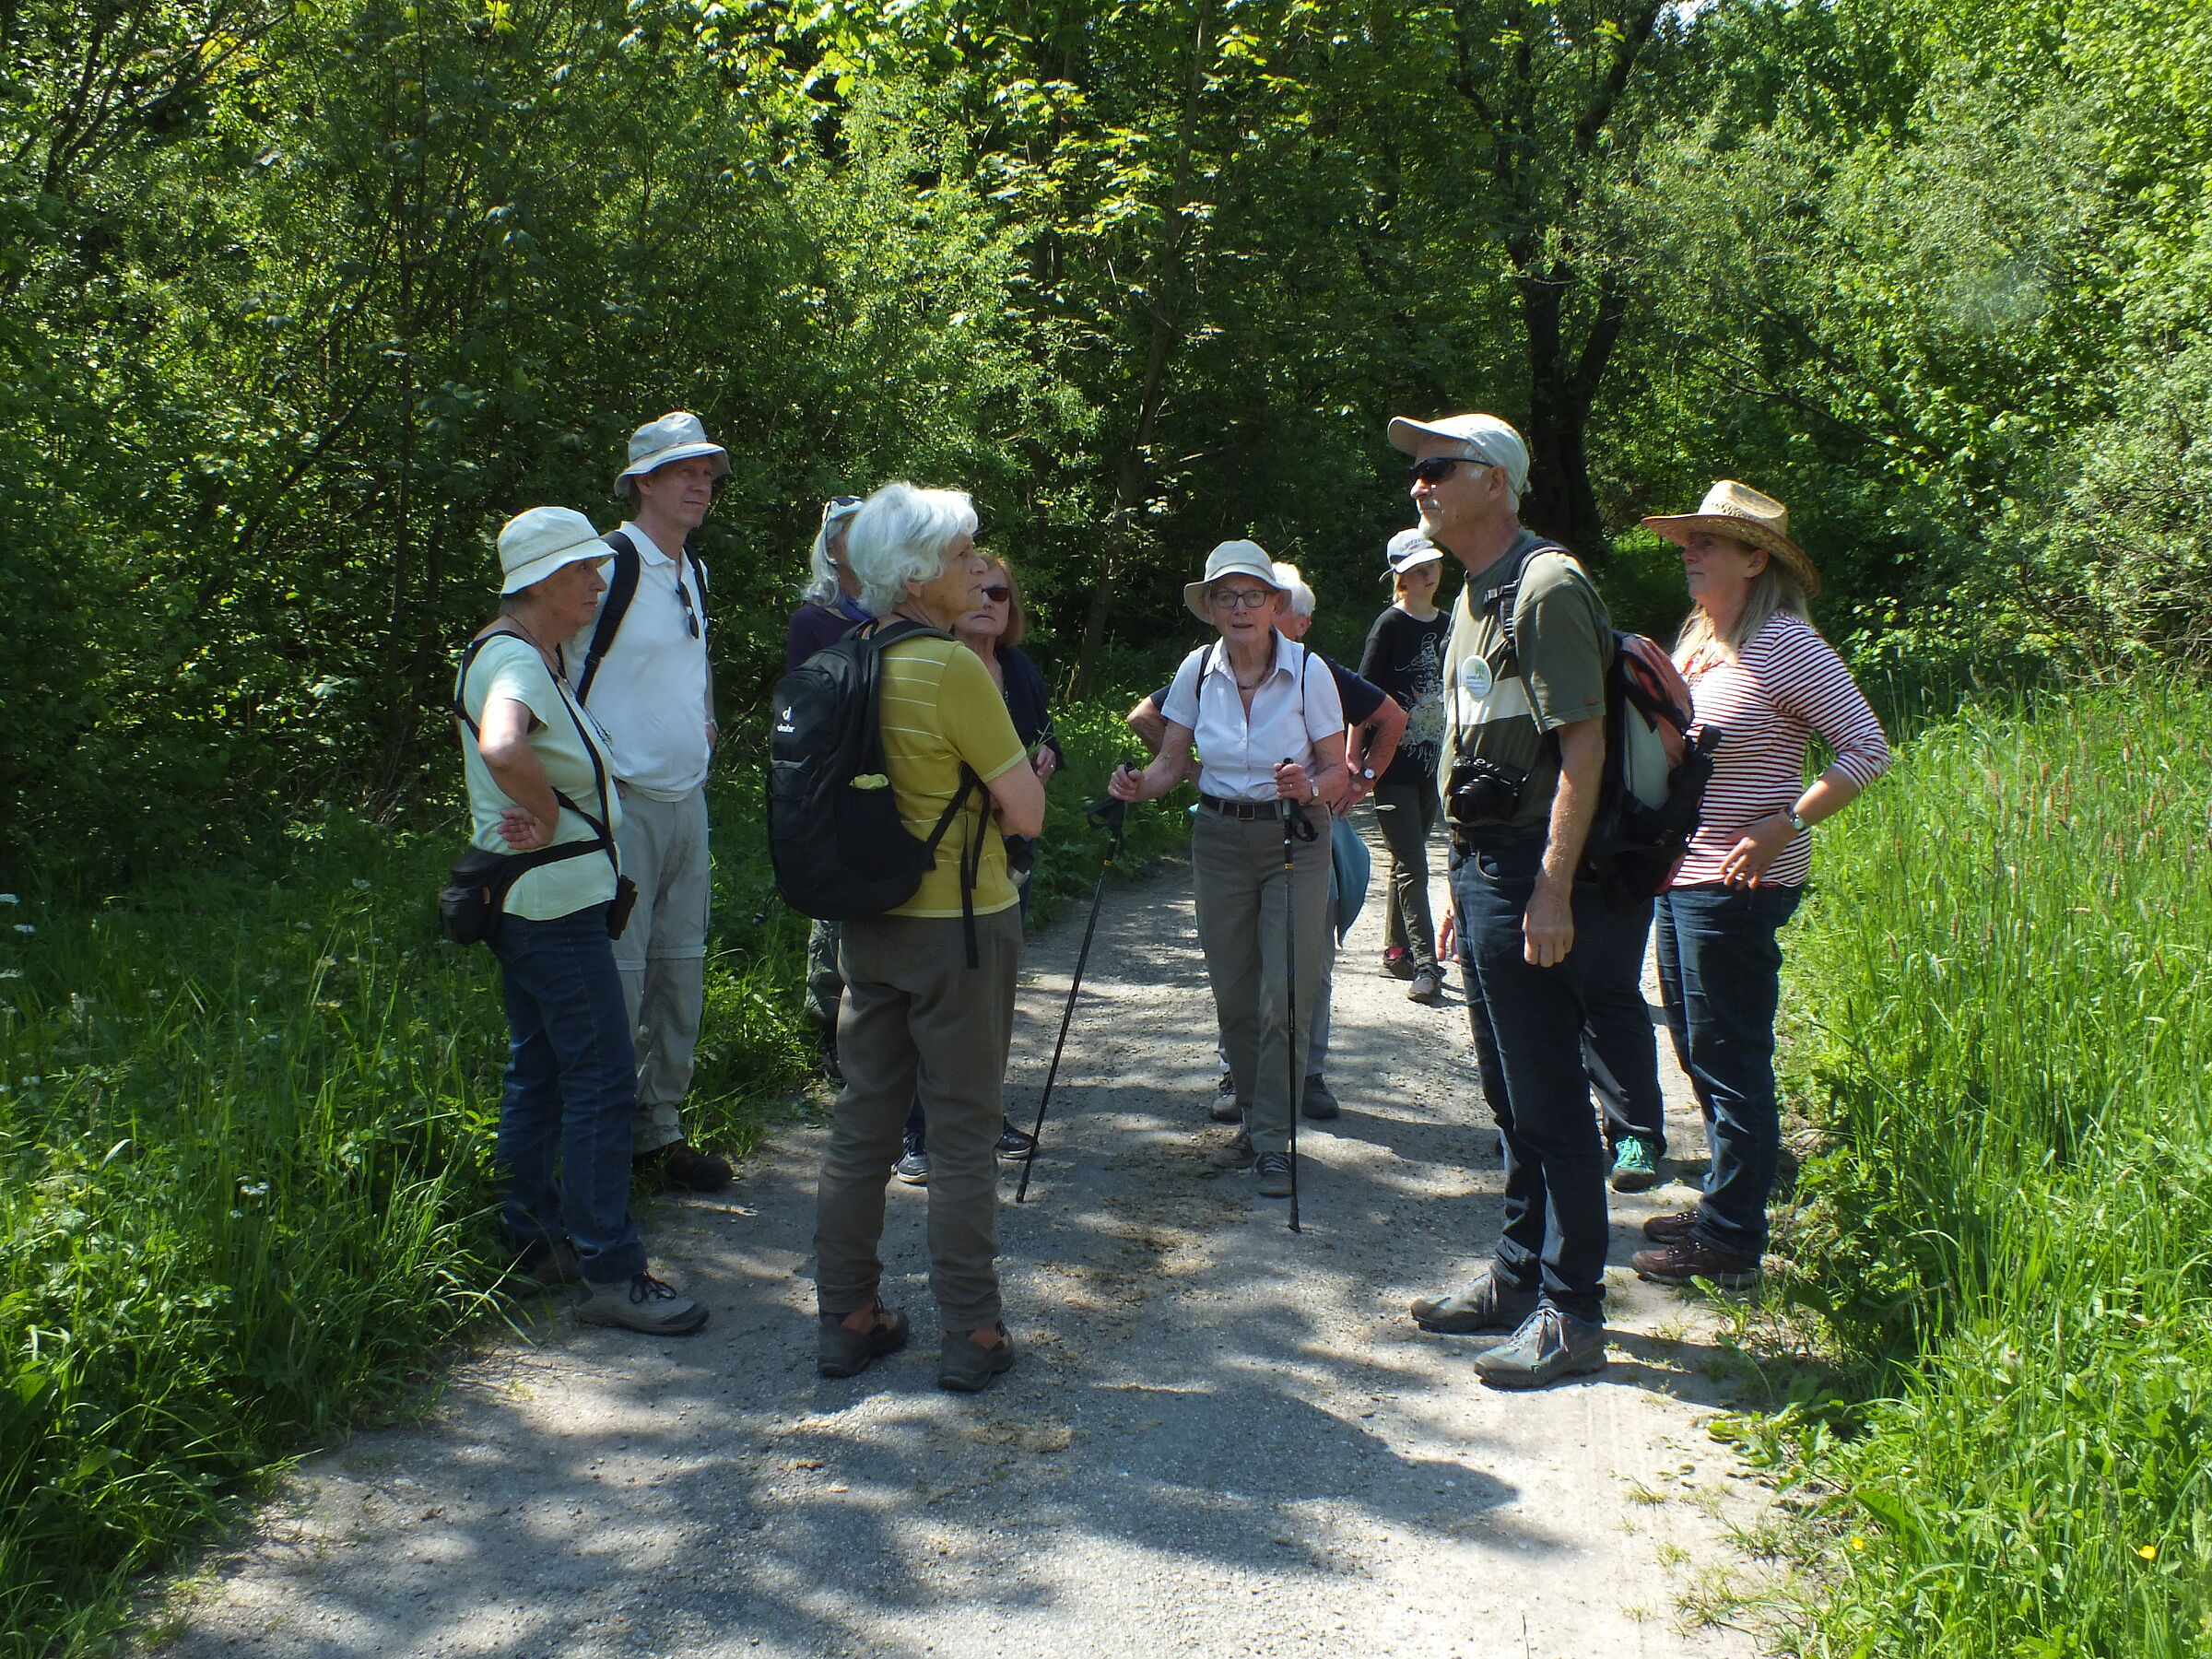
[917, 1020]
[534, 758]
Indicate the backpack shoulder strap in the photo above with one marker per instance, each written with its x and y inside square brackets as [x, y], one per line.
[603, 833]
[1500, 598]
[619, 592]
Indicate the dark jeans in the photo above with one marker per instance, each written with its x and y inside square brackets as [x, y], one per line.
[1405, 813]
[1720, 974]
[1620, 1056]
[1527, 1024]
[570, 1093]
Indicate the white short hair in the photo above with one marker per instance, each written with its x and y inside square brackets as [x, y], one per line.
[899, 535]
[1297, 599]
[822, 585]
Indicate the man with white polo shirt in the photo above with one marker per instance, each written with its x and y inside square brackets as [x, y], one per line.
[641, 668]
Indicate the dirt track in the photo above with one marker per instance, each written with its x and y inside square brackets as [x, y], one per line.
[1222, 1439]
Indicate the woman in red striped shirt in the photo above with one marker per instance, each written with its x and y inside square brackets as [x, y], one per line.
[1762, 676]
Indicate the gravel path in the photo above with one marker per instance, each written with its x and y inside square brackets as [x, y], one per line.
[1222, 1439]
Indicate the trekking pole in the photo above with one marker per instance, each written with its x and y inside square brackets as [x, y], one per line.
[1112, 813]
[1294, 822]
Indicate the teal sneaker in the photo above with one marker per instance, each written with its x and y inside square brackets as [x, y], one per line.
[1634, 1168]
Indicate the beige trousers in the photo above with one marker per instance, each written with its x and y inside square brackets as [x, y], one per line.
[917, 1020]
[1245, 904]
[662, 954]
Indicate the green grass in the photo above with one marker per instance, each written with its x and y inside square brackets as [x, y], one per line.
[245, 1178]
[2001, 1008]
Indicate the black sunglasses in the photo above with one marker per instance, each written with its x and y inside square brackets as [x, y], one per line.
[998, 595]
[1437, 468]
[690, 611]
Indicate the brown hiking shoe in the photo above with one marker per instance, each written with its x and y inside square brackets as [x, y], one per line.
[681, 1164]
[1238, 1155]
[1685, 1261]
[1672, 1229]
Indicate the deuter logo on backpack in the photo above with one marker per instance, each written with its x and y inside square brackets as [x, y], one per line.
[840, 849]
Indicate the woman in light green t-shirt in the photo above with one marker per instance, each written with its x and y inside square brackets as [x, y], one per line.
[537, 776]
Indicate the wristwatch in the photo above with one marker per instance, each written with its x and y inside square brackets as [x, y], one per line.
[1366, 774]
[1797, 823]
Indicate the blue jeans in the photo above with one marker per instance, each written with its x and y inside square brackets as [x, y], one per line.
[1720, 974]
[570, 1093]
[1528, 1023]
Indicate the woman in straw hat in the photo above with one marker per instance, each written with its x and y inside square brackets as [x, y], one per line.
[538, 777]
[1761, 675]
[1267, 720]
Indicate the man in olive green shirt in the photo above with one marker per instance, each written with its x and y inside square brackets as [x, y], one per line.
[1524, 690]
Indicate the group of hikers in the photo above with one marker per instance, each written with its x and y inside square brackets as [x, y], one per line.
[587, 725]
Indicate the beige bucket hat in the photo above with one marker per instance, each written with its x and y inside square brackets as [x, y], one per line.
[674, 436]
[1740, 511]
[1229, 559]
[534, 544]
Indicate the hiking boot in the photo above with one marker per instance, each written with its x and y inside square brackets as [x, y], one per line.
[1635, 1169]
[548, 1263]
[680, 1164]
[832, 1072]
[641, 1304]
[912, 1166]
[1551, 1344]
[1227, 1108]
[840, 1352]
[1275, 1174]
[1013, 1142]
[1319, 1103]
[1428, 985]
[1397, 961]
[966, 1365]
[1484, 1305]
[1238, 1155]
[1672, 1229]
[1685, 1261]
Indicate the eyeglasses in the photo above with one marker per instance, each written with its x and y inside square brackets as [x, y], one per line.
[838, 507]
[1241, 598]
[690, 611]
[1437, 468]
[998, 595]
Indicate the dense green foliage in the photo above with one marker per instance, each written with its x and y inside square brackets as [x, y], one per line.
[2005, 984]
[300, 300]
[245, 1164]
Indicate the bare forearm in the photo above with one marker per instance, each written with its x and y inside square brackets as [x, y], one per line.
[1573, 807]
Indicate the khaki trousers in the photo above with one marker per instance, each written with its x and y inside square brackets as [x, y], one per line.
[1243, 900]
[662, 954]
[918, 1022]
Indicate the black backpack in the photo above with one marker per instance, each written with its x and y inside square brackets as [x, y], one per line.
[834, 834]
[1635, 844]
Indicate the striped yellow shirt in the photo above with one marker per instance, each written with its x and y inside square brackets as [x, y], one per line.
[940, 709]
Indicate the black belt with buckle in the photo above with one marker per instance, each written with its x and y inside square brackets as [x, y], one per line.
[1244, 811]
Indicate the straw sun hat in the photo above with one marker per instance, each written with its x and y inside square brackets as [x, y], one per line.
[1742, 514]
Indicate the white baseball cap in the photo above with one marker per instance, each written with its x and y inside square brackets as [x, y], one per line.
[534, 544]
[675, 437]
[1482, 438]
[1406, 550]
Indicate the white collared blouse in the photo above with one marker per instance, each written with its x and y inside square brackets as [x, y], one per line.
[1295, 706]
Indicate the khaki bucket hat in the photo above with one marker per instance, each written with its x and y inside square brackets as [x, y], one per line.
[1229, 559]
[674, 436]
[1740, 511]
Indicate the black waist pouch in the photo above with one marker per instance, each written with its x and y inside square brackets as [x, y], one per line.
[474, 894]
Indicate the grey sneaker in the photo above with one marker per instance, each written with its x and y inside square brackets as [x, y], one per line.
[1275, 1174]
[913, 1166]
[1428, 985]
[1319, 1103]
[1227, 1108]
[643, 1303]
[1551, 1344]
[1484, 1305]
[1635, 1169]
[1237, 1155]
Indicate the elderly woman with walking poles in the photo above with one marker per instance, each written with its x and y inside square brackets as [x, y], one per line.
[541, 792]
[1761, 674]
[929, 984]
[1268, 728]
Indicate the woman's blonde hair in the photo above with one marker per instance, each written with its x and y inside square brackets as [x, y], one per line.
[1016, 617]
[1776, 588]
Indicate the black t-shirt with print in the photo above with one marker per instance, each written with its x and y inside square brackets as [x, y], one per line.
[1405, 657]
